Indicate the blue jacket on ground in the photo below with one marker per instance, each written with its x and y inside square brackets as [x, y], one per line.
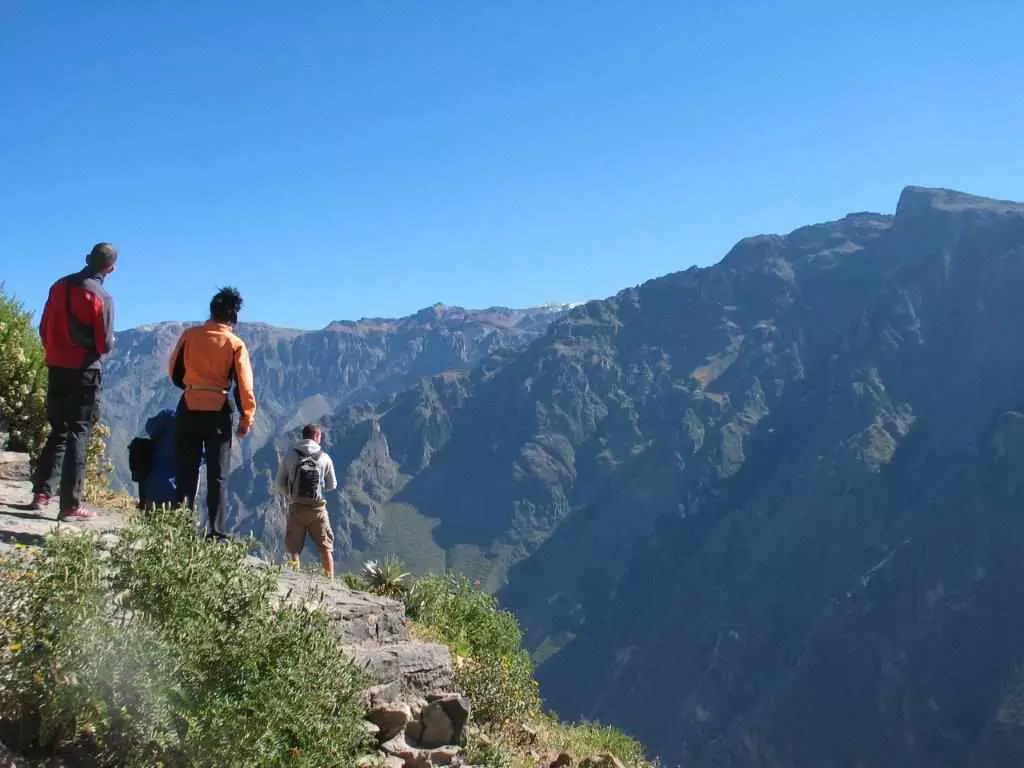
[159, 487]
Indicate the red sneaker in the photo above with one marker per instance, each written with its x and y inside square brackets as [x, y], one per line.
[39, 502]
[78, 513]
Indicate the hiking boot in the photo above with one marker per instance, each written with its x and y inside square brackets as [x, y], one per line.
[39, 502]
[78, 513]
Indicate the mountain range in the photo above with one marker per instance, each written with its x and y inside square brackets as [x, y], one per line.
[759, 514]
[302, 375]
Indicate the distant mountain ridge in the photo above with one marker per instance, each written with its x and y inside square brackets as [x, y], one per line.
[761, 514]
[303, 375]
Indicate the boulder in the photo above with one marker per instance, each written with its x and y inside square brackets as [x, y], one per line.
[15, 467]
[445, 755]
[414, 668]
[444, 720]
[358, 618]
[398, 747]
[414, 732]
[390, 719]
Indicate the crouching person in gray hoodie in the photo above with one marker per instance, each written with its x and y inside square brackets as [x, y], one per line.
[306, 474]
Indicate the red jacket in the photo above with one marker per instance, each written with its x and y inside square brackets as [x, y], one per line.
[77, 328]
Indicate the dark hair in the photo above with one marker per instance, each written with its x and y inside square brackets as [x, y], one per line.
[102, 256]
[310, 431]
[225, 305]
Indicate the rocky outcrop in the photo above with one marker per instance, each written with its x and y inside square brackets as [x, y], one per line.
[411, 709]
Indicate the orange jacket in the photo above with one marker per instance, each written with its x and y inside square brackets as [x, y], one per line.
[204, 361]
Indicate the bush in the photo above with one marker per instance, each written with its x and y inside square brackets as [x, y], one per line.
[167, 650]
[22, 379]
[481, 751]
[494, 671]
[98, 488]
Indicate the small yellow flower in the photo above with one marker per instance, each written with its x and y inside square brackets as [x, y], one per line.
[15, 647]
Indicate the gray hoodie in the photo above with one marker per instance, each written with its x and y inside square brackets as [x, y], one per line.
[286, 472]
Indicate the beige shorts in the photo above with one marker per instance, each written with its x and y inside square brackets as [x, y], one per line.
[311, 519]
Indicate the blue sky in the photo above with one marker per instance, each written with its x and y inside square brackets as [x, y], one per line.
[339, 159]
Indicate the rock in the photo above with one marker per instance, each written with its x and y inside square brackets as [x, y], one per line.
[444, 720]
[414, 732]
[381, 695]
[458, 709]
[398, 747]
[438, 729]
[444, 755]
[564, 760]
[603, 760]
[418, 668]
[389, 761]
[416, 706]
[358, 618]
[390, 719]
[15, 467]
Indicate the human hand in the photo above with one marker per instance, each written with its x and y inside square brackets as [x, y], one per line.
[243, 429]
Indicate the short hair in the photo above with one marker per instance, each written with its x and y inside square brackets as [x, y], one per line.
[102, 256]
[225, 305]
[310, 431]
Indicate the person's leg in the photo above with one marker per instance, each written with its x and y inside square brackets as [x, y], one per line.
[294, 536]
[327, 561]
[51, 459]
[217, 443]
[323, 535]
[82, 402]
[188, 447]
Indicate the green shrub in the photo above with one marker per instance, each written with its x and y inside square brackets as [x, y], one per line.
[169, 651]
[502, 689]
[466, 616]
[482, 751]
[492, 668]
[22, 378]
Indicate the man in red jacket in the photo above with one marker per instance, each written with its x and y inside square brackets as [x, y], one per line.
[78, 332]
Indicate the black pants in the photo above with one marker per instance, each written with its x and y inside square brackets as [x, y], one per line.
[197, 432]
[72, 408]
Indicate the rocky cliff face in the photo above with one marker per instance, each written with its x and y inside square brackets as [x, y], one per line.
[759, 514]
[302, 375]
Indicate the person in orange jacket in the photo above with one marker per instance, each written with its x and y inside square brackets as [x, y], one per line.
[205, 362]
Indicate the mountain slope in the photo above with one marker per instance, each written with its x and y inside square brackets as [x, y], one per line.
[302, 375]
[759, 514]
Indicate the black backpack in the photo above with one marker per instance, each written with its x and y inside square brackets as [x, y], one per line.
[306, 483]
[140, 458]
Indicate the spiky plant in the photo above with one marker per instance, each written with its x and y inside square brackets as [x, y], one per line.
[386, 578]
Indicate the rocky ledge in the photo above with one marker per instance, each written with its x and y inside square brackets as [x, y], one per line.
[412, 712]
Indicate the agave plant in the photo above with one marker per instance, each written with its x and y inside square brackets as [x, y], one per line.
[386, 578]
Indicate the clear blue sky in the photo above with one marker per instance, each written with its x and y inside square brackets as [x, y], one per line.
[338, 159]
